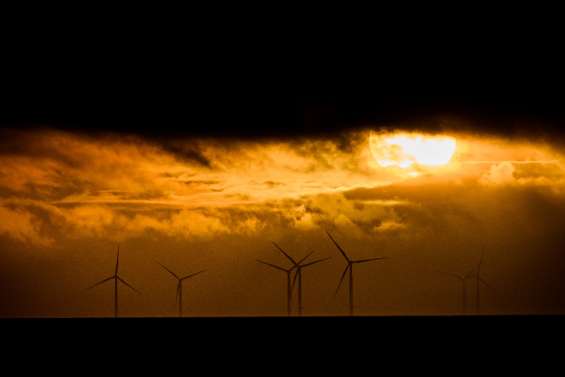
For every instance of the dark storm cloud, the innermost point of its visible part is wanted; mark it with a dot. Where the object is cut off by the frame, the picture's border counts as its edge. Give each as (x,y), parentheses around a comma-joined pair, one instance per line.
(292,120)
(269,91)
(293,100)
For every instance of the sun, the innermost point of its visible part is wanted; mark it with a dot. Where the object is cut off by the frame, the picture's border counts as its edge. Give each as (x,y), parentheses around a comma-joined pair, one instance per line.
(404,150)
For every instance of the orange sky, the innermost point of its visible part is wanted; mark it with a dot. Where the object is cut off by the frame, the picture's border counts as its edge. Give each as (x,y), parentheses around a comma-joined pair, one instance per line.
(59,191)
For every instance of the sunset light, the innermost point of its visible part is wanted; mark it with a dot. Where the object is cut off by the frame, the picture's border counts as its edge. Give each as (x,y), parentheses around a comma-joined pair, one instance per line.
(404,150)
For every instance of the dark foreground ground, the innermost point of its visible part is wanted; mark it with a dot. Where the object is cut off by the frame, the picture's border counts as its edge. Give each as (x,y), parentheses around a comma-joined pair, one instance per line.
(268,345)
(306,329)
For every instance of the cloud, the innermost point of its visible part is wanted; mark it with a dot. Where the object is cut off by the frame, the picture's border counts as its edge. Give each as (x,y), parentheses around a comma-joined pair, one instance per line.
(23,226)
(390,226)
(61,185)
(502,173)
(525,174)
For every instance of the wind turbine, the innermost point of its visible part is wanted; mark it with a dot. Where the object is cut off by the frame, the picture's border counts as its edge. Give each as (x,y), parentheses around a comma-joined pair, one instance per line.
(180,280)
(463,280)
(349,267)
(298,274)
(288,271)
(480,280)
(116,277)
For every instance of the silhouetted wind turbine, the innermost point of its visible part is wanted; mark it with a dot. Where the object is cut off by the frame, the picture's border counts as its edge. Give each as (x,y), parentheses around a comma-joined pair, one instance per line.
(480,280)
(116,278)
(298,276)
(180,280)
(463,280)
(349,268)
(288,271)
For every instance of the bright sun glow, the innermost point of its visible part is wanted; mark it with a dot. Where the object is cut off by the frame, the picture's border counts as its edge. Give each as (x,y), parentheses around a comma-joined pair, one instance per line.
(404,149)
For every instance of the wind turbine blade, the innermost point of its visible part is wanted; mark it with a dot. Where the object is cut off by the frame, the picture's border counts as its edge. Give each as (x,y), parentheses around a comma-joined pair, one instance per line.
(338,247)
(100,282)
(192,275)
(117,260)
(368,260)
(306,257)
(316,261)
(341,280)
(272,265)
(171,272)
(126,283)
(285,254)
